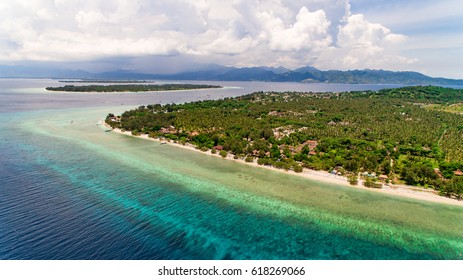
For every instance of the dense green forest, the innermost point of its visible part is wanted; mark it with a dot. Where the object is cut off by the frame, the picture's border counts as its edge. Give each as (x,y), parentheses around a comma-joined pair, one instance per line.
(391,134)
(129,88)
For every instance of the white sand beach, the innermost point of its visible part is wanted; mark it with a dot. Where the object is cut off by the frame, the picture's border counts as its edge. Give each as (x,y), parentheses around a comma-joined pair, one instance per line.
(323,176)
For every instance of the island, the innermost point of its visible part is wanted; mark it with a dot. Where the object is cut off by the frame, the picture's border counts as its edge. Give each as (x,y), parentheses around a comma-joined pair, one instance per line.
(410,135)
(105,81)
(130,87)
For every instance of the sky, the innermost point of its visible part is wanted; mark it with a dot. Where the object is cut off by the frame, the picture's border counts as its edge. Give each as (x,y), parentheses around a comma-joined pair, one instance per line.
(167,36)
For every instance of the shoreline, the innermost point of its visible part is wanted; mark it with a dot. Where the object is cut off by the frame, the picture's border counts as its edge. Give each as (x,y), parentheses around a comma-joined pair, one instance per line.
(320,176)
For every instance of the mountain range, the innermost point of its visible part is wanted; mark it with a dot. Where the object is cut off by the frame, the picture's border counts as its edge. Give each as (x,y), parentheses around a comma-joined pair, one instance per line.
(215,72)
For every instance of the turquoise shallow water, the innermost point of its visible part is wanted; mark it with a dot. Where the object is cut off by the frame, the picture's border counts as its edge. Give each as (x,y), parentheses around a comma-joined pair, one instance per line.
(70,190)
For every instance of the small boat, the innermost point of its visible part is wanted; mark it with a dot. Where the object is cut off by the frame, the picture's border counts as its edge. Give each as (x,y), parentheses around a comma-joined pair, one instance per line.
(163,142)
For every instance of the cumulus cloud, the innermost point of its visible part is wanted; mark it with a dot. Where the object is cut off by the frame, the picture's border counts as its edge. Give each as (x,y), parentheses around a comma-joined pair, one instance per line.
(309,31)
(239,32)
(361,44)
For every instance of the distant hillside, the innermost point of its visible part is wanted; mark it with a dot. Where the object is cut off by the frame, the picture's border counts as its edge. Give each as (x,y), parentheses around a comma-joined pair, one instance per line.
(216,72)
(312,75)
(380,77)
(19,71)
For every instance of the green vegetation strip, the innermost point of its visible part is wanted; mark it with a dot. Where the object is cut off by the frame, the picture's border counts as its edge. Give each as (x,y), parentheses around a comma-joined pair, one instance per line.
(106,81)
(389,135)
(129,88)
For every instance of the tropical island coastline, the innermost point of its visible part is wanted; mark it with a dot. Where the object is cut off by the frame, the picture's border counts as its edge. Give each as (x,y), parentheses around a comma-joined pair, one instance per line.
(130,87)
(400,190)
(391,137)
(104,81)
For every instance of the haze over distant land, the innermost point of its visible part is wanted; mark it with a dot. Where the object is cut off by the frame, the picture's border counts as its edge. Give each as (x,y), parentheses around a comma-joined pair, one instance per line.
(306,74)
(46,38)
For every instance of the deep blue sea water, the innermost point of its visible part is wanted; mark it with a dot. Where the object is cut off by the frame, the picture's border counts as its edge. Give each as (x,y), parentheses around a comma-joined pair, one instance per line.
(70,190)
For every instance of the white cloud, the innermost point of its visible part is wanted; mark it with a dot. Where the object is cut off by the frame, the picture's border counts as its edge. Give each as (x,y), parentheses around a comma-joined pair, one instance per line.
(309,31)
(226,42)
(87,20)
(236,32)
(358,32)
(361,44)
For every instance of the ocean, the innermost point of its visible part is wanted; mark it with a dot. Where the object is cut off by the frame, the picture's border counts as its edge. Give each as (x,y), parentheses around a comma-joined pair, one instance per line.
(71,190)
